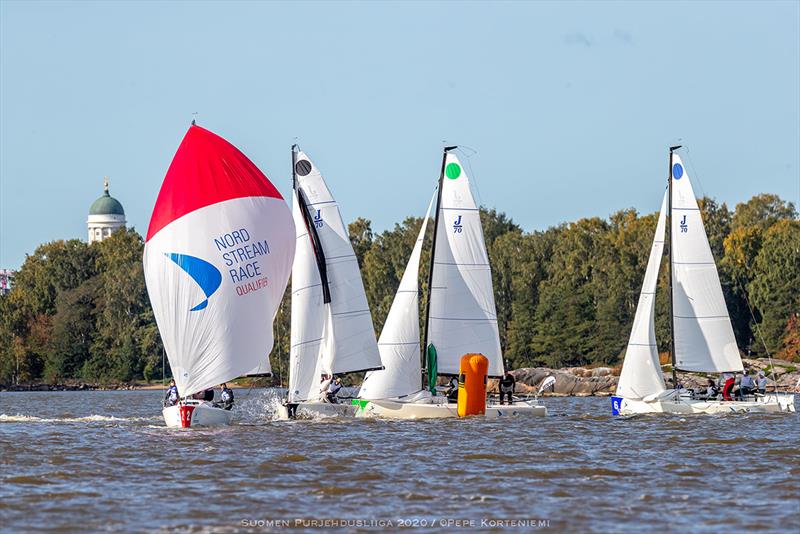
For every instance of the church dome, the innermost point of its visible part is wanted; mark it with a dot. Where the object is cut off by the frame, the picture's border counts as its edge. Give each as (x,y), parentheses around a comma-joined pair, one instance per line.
(106,205)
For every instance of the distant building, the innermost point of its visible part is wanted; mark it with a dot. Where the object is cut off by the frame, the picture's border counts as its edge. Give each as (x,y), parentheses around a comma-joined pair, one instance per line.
(6,280)
(105,216)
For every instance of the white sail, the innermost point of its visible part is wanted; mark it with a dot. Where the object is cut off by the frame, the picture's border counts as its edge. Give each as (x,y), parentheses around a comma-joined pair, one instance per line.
(347,343)
(641,372)
(703,334)
(216,262)
(308,316)
(399,342)
(463,317)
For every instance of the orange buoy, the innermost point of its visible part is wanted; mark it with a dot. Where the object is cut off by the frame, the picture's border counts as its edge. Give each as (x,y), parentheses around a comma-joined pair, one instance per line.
(472,376)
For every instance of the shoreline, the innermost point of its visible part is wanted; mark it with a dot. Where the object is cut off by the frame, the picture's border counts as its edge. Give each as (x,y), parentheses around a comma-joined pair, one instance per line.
(570,381)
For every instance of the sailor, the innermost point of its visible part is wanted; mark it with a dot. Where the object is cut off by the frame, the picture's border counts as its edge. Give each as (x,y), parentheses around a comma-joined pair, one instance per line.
(208,395)
(761,383)
(171,397)
(506,385)
(452,390)
(729,381)
(226,397)
(324,383)
(746,386)
(333,390)
(711,389)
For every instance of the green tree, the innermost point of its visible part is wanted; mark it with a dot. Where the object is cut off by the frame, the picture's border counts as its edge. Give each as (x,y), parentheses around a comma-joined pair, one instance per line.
(360,232)
(123,311)
(763,211)
(775,286)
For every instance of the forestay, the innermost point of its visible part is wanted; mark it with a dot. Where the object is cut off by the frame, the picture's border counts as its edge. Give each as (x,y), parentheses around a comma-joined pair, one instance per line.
(704,338)
(216,262)
(399,342)
(463,318)
(341,331)
(641,371)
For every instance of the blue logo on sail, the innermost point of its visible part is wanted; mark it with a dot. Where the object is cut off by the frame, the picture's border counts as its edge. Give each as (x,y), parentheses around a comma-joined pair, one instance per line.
(457,228)
(684,226)
(206,275)
(677,171)
(318,220)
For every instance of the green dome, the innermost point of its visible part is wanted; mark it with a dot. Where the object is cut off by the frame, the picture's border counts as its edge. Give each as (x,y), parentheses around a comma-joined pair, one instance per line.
(106,205)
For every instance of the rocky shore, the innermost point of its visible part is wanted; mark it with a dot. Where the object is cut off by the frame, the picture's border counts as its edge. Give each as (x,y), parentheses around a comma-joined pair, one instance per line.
(570,381)
(602,381)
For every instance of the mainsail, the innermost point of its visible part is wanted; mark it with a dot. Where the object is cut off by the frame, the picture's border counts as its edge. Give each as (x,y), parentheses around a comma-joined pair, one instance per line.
(216,262)
(462,314)
(641,371)
(399,341)
(332,329)
(703,334)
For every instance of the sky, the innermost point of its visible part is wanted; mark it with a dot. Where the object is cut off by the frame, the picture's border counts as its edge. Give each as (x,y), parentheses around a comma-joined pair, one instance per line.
(566,109)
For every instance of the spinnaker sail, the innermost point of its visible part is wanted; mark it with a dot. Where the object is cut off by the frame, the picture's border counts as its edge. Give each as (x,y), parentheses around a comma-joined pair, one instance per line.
(217,258)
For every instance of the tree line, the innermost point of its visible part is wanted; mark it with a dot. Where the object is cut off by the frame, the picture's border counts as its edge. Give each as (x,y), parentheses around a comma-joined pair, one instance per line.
(565,296)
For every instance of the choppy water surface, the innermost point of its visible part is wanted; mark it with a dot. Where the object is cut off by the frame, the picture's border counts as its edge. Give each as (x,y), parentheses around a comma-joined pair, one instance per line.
(96,461)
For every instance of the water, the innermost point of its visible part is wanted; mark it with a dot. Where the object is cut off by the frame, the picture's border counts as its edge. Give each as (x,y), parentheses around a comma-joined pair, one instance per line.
(103,461)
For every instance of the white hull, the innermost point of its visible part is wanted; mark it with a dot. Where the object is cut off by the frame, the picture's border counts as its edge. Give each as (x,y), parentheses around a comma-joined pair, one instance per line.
(391,409)
(317,410)
(197,413)
(771,403)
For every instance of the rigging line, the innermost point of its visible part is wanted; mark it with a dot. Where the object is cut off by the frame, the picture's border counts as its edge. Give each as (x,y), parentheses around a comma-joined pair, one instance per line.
(757,328)
(473,176)
(695,174)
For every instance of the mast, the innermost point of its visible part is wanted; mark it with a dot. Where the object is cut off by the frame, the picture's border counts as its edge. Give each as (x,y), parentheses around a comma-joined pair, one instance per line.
(671,303)
(433,254)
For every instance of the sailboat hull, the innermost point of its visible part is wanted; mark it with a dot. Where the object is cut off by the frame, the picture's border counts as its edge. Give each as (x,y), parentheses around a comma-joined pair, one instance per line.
(771,403)
(390,409)
(193,414)
(317,410)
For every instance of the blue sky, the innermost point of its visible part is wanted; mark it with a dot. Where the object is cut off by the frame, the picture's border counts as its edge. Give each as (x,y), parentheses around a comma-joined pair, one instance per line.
(569,106)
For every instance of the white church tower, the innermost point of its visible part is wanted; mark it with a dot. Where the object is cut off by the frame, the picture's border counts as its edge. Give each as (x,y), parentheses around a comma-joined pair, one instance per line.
(105,216)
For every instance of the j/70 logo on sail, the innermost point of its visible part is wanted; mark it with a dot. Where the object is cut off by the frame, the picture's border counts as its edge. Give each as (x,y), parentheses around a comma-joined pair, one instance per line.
(684,226)
(206,275)
(457,228)
(318,220)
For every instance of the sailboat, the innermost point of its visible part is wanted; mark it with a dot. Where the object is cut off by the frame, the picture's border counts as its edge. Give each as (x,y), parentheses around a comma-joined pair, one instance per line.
(700,327)
(460,318)
(331,324)
(217,258)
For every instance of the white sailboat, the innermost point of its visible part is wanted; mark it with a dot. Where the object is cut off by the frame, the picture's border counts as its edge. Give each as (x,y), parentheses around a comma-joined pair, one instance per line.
(332,331)
(701,330)
(460,314)
(216,260)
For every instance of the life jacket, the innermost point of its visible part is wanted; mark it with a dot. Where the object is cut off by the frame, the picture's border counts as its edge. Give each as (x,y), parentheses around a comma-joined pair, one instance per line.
(226,396)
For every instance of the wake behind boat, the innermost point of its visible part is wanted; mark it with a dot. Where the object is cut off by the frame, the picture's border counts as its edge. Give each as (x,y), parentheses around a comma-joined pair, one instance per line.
(702,335)
(216,262)
(461,317)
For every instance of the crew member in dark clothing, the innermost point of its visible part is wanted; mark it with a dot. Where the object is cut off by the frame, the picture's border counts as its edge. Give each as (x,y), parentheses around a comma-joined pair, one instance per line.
(452,390)
(226,397)
(507,384)
(208,395)
(333,391)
